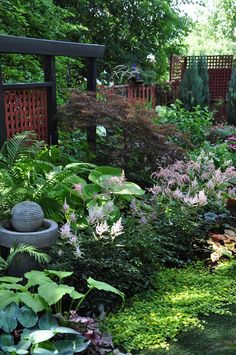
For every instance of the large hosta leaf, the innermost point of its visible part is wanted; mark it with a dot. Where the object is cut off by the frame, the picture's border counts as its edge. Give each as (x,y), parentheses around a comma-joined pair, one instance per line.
(128,188)
(36,278)
(38,336)
(10,279)
(47,321)
(52,293)
(7,297)
(33,301)
(60,274)
(27,317)
(97,175)
(74,345)
(9,316)
(99,285)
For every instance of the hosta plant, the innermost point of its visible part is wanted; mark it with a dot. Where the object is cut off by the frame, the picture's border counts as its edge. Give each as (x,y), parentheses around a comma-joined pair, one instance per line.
(32,318)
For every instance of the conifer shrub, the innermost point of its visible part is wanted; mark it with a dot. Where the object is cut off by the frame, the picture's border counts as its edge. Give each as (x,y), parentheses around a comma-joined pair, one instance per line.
(194,90)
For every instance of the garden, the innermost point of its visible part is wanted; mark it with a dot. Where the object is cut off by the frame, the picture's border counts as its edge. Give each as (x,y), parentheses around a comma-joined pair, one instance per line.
(126,245)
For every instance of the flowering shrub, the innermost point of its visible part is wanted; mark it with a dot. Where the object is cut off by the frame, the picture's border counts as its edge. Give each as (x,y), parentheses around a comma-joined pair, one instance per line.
(194,183)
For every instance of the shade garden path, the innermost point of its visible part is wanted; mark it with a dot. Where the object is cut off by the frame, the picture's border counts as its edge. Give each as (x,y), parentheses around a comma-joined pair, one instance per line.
(218,332)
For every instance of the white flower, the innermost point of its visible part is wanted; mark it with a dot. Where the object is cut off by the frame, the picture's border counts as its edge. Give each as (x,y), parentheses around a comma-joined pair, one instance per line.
(78,253)
(117,229)
(65,231)
(73,239)
(151,58)
(96,215)
(102,228)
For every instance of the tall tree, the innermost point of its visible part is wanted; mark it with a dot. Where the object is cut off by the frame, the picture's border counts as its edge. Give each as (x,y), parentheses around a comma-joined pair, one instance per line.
(131,29)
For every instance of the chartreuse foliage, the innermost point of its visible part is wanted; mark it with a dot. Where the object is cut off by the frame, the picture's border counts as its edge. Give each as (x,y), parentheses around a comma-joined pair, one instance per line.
(155,318)
(30,308)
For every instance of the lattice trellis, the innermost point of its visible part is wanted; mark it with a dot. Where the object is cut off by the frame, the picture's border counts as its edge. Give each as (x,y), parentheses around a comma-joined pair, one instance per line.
(26,110)
(219,71)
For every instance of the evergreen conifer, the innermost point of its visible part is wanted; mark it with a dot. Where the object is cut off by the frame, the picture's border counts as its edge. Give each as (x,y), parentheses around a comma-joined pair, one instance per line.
(194,89)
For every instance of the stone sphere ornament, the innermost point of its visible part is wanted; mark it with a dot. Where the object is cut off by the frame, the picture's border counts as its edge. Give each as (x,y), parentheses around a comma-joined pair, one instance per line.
(27,216)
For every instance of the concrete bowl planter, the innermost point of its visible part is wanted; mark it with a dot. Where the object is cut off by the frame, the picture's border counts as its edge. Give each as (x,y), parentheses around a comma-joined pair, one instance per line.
(41,239)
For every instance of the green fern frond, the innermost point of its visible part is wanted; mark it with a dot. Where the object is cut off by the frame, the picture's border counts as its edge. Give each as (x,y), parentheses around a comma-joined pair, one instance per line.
(21,145)
(3,265)
(40,257)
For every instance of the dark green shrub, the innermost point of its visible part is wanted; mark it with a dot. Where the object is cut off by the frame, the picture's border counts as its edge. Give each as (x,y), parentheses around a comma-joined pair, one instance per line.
(195,124)
(194,88)
(231,100)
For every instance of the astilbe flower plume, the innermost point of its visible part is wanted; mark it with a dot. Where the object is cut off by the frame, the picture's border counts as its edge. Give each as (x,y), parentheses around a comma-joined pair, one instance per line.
(194,183)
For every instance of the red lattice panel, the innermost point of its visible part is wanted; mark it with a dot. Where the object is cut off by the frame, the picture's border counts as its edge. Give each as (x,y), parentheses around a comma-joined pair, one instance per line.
(26,110)
(219,71)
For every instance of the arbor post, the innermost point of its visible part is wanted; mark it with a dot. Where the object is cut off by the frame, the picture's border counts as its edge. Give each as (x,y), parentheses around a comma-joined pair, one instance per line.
(91,86)
(50,76)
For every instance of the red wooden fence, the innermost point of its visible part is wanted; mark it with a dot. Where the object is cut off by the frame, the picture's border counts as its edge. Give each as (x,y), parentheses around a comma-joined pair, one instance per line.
(137,94)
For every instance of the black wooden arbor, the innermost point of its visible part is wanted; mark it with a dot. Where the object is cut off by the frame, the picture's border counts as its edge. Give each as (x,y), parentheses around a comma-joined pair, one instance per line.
(32,106)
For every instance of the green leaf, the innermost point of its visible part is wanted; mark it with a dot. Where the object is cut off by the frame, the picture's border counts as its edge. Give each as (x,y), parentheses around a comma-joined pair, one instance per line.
(66,330)
(75,345)
(36,278)
(99,285)
(23,345)
(7,297)
(128,188)
(39,336)
(10,279)
(21,351)
(60,274)
(6,340)
(10,320)
(96,174)
(47,321)
(5,286)
(76,295)
(33,301)
(52,293)
(43,351)
(27,317)
(90,190)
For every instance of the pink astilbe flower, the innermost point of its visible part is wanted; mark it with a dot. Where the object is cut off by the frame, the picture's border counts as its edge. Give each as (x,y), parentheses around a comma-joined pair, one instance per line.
(72,217)
(199,199)
(65,206)
(117,229)
(78,187)
(210,185)
(116,180)
(73,239)
(177,194)
(65,231)
(155,190)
